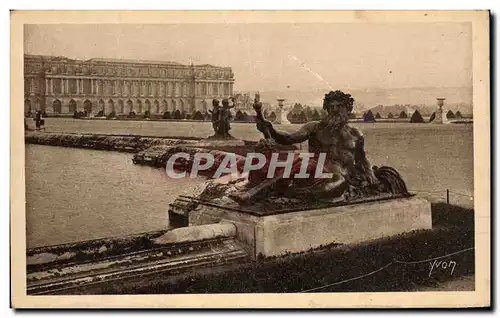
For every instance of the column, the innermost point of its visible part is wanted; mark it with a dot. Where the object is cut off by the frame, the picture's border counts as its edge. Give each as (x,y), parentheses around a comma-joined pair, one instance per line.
(126,88)
(104,90)
(77,86)
(118,91)
(66,81)
(51,87)
(46,86)
(108,90)
(92,87)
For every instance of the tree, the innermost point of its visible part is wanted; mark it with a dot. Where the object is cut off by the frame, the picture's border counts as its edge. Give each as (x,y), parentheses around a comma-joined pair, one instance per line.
(240,116)
(377,116)
(315,115)
(390,116)
(458,114)
(416,117)
(166,115)
(187,116)
(450,114)
(272,116)
(297,108)
(433,116)
(147,114)
(309,112)
(301,117)
(177,114)
(198,116)
(368,117)
(131,115)
(403,115)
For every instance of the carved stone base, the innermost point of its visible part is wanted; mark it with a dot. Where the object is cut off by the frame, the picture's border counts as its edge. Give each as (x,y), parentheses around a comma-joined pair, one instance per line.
(273,234)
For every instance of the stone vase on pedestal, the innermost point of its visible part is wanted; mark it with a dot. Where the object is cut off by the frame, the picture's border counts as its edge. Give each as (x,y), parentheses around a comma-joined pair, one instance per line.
(439,111)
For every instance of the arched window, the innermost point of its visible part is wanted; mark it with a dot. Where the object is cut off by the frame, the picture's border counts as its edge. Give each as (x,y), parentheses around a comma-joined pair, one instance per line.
(72,106)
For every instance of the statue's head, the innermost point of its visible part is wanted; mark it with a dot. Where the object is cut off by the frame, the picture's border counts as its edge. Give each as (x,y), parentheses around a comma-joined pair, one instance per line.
(338,105)
(215,103)
(225,102)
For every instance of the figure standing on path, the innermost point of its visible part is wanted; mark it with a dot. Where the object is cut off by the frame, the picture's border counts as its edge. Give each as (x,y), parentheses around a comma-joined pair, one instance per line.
(39,121)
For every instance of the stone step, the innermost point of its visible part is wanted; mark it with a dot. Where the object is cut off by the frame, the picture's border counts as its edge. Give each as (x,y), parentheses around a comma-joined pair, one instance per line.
(170,253)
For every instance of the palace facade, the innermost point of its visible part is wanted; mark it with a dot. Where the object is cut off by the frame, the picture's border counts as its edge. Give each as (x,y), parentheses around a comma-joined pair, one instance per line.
(59,85)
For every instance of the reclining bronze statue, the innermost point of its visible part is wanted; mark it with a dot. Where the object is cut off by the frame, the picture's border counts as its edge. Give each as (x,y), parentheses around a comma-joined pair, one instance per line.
(352,175)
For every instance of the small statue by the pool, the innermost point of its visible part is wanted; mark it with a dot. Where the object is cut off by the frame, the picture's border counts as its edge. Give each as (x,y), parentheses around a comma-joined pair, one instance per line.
(215,115)
(221,117)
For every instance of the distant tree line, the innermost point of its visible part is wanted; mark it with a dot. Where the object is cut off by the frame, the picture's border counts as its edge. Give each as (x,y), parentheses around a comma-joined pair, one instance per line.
(302,114)
(299,114)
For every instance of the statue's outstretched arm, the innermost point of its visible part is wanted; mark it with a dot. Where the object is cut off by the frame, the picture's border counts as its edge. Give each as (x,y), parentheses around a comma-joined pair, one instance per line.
(300,135)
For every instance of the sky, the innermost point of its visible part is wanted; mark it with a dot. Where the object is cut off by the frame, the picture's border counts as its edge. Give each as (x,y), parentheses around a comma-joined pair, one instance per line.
(285,56)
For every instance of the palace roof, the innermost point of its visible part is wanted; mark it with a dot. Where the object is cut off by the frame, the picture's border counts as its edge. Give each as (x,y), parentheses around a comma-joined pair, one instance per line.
(132,61)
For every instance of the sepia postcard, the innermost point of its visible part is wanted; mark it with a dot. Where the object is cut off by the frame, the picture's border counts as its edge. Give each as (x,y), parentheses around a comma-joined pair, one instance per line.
(250,159)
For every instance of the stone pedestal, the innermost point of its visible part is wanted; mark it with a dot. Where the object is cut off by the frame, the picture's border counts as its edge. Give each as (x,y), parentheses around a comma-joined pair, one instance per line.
(439,111)
(281,114)
(283,232)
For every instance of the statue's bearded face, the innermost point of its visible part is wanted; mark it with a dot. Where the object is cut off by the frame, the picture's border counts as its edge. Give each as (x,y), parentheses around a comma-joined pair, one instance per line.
(337,113)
